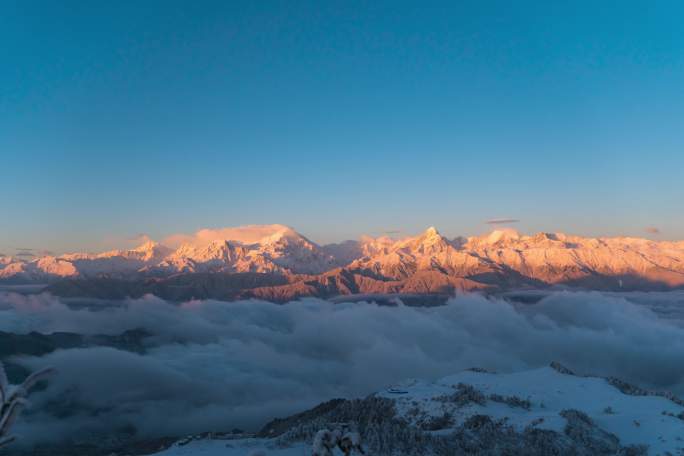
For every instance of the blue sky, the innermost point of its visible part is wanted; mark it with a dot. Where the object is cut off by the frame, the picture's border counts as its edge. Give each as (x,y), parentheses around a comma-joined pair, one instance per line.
(338,118)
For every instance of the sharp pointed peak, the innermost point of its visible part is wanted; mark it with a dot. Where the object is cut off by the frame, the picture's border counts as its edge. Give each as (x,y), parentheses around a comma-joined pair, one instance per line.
(431,231)
(429,237)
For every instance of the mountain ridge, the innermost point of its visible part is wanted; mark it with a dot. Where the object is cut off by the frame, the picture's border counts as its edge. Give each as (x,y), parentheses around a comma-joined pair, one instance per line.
(426,263)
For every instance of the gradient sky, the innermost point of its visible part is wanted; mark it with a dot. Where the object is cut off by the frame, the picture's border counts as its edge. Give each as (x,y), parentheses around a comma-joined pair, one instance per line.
(338,118)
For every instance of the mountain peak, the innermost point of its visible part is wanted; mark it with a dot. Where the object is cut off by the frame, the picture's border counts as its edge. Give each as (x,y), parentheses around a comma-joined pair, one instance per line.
(431,232)
(278,233)
(504,234)
(431,237)
(428,241)
(147,246)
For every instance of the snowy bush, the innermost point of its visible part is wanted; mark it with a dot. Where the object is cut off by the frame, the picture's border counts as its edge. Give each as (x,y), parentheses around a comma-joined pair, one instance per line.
(325,442)
(437,423)
(511,401)
(465,394)
(350,442)
(582,430)
(13,399)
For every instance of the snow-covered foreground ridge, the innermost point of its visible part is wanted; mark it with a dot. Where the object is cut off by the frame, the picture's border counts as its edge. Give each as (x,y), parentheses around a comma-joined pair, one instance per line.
(427,263)
(538,412)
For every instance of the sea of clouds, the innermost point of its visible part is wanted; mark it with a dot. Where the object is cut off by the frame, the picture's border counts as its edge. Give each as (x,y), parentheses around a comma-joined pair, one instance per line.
(213,365)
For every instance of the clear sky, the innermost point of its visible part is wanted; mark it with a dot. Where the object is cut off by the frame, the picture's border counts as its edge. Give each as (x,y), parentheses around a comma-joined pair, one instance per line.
(338,118)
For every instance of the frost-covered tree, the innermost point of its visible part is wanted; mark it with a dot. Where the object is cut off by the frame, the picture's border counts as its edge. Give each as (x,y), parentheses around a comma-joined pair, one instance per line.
(350,442)
(13,399)
(325,442)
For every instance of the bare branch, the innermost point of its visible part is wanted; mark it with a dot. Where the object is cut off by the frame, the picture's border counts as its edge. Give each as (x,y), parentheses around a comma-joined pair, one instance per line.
(12,400)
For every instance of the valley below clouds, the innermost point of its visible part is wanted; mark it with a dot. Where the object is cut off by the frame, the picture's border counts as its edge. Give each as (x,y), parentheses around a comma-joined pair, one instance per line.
(181,368)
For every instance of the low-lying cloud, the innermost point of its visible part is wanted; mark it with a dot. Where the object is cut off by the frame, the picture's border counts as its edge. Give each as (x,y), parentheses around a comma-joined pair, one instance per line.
(139,238)
(214,366)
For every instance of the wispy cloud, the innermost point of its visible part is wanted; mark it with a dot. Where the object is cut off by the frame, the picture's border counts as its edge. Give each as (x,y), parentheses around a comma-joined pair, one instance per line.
(140,237)
(501,221)
(247,234)
(24,252)
(652,230)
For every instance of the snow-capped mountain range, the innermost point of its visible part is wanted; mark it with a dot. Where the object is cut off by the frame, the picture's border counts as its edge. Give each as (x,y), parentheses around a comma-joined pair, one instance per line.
(263,248)
(427,263)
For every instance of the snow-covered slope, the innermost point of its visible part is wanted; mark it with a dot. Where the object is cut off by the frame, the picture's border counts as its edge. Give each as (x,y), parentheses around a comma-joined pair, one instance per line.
(254,248)
(542,259)
(428,251)
(538,412)
(559,258)
(538,398)
(113,263)
(263,248)
(237,447)
(38,270)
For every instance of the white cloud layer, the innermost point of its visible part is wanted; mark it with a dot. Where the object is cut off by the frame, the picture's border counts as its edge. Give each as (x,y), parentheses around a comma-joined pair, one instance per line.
(215,366)
(247,234)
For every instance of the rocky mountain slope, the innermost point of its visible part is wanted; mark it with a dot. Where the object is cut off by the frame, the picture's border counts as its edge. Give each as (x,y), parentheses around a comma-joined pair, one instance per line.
(427,263)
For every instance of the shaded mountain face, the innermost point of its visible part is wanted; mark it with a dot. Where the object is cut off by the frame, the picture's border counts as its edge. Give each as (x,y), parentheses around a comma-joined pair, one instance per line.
(289,265)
